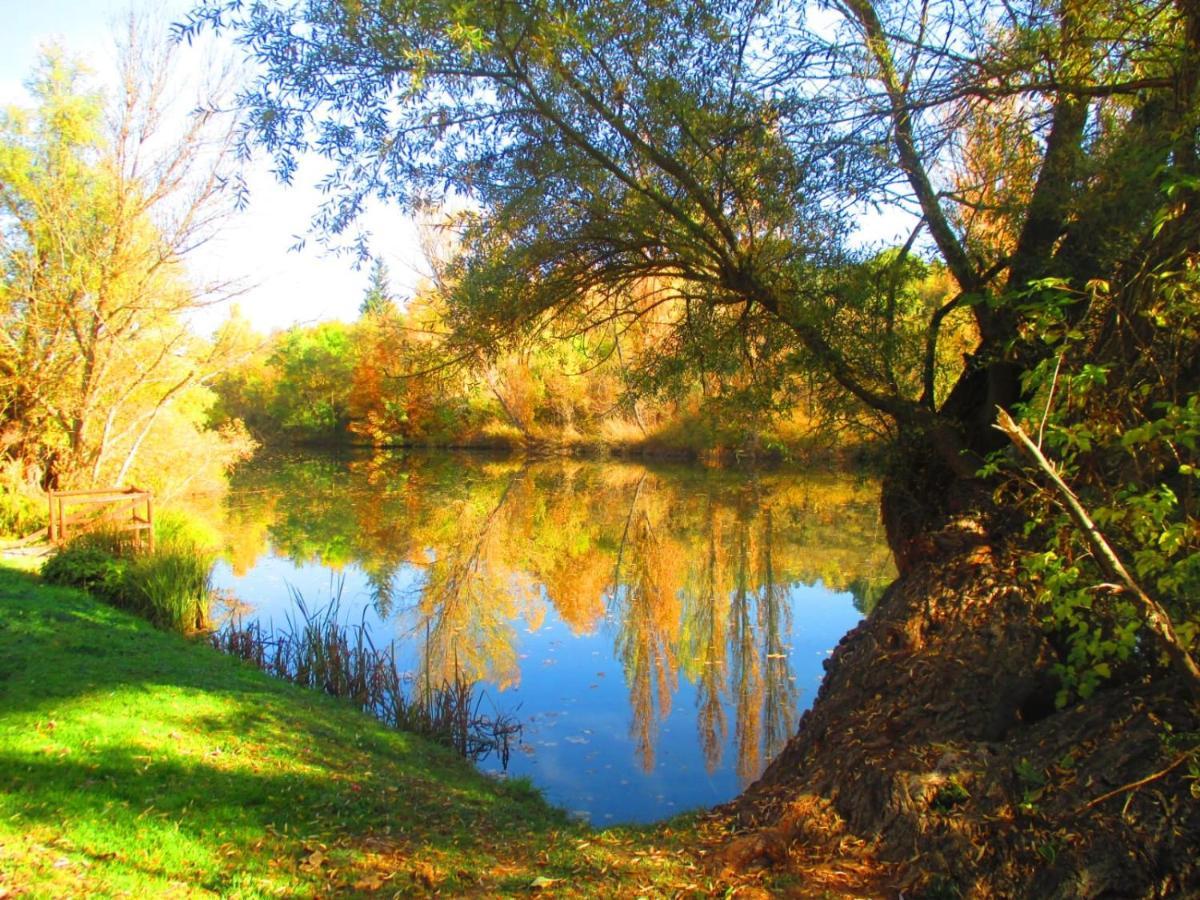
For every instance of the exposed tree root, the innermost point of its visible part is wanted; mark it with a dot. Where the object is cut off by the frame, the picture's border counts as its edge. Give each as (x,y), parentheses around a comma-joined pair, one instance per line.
(934,754)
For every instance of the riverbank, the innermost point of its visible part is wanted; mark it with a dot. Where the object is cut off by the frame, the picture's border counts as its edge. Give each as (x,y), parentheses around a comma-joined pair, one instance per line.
(935,739)
(677,444)
(140,762)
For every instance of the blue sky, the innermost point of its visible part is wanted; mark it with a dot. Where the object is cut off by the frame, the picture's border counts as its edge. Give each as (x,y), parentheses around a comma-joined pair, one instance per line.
(287,286)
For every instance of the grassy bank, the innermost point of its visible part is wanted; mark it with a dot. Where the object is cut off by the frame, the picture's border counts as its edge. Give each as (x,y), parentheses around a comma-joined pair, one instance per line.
(133,761)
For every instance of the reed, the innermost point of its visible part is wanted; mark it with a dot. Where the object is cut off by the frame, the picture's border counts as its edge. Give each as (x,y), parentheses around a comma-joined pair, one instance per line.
(318,650)
(171,586)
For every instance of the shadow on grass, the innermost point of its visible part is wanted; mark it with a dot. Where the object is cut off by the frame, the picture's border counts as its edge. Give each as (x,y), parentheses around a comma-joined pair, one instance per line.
(165,817)
(148,753)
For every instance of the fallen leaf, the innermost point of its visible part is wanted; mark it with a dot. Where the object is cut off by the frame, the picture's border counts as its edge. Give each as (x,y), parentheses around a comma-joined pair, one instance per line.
(313,862)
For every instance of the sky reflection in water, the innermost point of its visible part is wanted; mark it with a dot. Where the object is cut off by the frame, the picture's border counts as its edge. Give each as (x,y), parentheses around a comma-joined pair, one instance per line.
(657,630)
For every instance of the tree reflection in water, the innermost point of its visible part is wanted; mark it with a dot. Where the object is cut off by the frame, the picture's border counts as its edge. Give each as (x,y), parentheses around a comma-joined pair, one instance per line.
(690,571)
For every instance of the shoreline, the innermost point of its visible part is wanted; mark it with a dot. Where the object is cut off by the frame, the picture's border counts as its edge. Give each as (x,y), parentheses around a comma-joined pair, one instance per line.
(142,761)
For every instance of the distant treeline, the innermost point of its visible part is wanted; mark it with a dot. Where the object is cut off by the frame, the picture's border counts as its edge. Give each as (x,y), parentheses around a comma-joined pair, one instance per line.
(402,375)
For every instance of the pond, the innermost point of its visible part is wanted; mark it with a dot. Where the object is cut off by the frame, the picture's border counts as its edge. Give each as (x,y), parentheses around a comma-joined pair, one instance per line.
(656,629)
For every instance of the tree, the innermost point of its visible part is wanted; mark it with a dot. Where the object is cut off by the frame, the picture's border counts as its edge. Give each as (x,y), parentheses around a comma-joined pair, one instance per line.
(311,397)
(723,149)
(720,147)
(377,300)
(99,209)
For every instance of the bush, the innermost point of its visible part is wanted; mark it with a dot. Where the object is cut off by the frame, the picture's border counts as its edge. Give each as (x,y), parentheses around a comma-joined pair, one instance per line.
(20,514)
(176,528)
(92,568)
(170,587)
(22,504)
(116,542)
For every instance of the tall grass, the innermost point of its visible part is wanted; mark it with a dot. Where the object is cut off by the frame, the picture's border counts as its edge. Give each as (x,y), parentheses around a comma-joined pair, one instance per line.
(318,651)
(170,586)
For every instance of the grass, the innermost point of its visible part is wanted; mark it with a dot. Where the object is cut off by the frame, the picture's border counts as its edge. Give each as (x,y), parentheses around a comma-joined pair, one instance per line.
(169,586)
(137,762)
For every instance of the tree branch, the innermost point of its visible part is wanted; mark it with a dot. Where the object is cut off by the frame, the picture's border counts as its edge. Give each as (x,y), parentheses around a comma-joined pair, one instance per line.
(952,250)
(1153,614)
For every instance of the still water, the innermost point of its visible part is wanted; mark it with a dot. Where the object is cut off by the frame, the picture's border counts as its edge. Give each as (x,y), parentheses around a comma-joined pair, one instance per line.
(657,630)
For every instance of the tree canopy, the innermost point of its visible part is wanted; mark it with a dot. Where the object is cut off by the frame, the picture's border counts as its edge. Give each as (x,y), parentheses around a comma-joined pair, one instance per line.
(99,205)
(724,148)
(702,164)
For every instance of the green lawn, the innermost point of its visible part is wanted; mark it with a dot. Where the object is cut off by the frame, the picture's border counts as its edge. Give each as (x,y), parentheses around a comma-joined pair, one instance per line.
(136,762)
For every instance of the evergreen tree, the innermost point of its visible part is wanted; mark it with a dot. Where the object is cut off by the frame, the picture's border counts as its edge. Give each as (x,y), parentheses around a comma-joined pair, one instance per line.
(378,297)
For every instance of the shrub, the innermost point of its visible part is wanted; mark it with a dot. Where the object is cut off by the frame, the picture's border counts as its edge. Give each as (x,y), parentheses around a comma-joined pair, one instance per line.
(174,528)
(92,568)
(22,505)
(170,587)
(19,515)
(116,542)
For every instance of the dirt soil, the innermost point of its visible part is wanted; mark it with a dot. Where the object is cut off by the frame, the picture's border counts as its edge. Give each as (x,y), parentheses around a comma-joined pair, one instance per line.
(934,759)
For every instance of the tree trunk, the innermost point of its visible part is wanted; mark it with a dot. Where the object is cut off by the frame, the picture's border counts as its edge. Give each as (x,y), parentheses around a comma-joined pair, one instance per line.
(934,749)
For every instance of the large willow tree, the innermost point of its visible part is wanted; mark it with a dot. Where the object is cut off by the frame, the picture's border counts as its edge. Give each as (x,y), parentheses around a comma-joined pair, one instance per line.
(1046,150)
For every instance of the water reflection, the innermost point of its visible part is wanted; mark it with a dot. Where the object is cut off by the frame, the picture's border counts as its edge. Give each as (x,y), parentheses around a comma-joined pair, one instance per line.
(572,584)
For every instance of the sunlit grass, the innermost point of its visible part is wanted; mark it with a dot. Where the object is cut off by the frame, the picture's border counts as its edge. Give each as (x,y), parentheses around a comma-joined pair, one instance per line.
(134,761)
